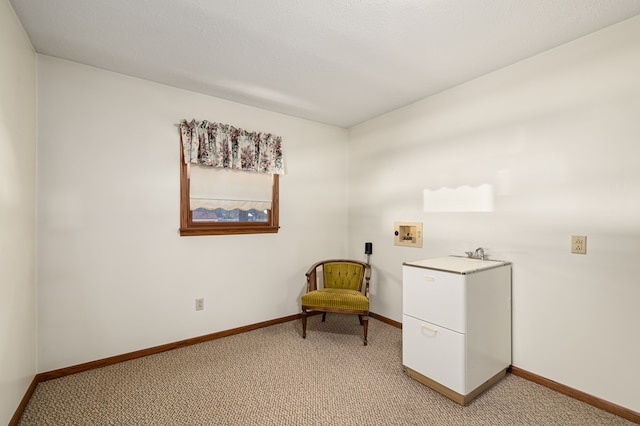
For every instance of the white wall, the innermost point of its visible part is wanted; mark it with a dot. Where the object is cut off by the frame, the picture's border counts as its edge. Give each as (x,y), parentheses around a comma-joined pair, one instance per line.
(114,276)
(558,138)
(17,212)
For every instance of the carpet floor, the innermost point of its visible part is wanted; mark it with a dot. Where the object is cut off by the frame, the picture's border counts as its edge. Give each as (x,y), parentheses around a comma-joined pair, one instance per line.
(272,376)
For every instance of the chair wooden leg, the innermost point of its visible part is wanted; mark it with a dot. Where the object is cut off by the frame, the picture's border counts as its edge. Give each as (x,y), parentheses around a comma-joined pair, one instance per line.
(365,326)
(304,324)
(324,316)
(360,319)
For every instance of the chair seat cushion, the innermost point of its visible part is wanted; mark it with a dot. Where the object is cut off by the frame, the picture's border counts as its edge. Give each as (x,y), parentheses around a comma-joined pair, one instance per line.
(336,298)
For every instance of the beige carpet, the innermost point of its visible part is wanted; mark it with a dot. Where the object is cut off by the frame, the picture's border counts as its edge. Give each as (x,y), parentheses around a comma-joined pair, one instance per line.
(272,376)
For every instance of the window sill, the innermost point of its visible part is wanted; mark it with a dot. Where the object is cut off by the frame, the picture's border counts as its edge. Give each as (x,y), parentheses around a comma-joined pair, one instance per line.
(229,230)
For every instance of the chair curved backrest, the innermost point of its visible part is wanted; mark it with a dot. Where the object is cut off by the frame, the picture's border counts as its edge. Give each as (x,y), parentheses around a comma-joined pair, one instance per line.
(345,289)
(343,274)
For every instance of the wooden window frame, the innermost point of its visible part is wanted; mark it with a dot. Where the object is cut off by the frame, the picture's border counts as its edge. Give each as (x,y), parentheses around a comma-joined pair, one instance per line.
(189,228)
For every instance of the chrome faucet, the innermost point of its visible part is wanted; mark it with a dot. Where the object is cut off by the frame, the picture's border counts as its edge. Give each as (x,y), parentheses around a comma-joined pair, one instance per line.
(478,254)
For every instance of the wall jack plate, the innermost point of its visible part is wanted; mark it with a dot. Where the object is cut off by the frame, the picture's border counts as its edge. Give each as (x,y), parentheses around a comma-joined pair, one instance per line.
(407,234)
(579,244)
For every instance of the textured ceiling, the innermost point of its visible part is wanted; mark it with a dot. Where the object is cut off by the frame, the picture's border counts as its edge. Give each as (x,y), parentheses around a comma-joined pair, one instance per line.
(339,62)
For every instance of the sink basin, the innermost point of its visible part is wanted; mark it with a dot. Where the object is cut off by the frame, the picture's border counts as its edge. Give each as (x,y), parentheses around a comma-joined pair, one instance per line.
(457,264)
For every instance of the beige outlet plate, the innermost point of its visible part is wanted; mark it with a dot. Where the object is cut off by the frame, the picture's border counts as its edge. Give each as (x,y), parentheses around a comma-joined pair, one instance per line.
(579,244)
(408,234)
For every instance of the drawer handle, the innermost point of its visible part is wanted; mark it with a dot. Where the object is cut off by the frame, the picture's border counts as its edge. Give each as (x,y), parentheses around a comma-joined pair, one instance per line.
(429,278)
(430,329)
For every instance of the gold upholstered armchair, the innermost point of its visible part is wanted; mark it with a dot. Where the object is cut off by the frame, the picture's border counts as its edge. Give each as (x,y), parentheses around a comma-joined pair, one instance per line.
(345,289)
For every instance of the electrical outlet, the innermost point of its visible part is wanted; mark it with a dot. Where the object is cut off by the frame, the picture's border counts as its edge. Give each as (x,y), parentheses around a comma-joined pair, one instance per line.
(199,304)
(579,244)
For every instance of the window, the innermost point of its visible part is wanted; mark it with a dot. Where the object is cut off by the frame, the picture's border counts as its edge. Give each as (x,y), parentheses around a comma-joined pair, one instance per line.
(228,179)
(219,201)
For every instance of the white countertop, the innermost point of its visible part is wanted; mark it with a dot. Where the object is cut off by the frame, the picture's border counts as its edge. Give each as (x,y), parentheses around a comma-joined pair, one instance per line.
(457,264)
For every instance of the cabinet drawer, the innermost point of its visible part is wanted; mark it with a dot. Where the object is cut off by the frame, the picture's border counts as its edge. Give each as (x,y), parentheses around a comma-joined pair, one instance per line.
(434,352)
(435,296)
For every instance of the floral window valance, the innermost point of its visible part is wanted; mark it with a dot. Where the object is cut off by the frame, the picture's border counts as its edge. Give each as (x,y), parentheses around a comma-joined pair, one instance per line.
(224,146)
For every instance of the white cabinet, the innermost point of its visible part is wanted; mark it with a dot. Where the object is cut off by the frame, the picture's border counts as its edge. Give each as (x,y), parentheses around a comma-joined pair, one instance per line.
(456,324)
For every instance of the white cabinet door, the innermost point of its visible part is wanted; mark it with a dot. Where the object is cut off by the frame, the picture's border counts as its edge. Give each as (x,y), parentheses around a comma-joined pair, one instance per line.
(435,352)
(435,296)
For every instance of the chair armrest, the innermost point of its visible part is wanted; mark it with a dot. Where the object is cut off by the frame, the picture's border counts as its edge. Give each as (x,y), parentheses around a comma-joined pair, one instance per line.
(312,282)
(312,269)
